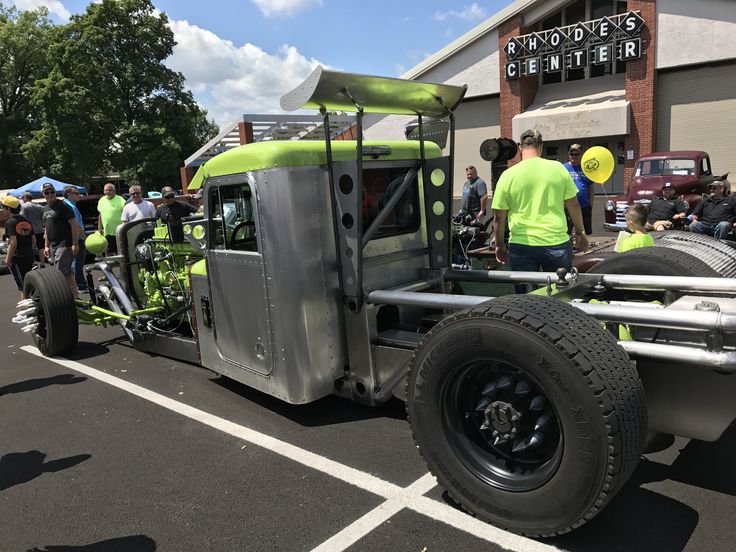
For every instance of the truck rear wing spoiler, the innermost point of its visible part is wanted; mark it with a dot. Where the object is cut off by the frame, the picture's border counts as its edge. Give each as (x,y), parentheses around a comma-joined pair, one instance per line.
(335,91)
(330,91)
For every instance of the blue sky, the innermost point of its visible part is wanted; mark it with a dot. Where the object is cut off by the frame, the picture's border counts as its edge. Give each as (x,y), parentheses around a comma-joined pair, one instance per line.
(241,56)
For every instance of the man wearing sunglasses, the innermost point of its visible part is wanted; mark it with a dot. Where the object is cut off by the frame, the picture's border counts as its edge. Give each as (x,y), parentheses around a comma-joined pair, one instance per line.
(138,208)
(171,209)
(61,235)
(585,186)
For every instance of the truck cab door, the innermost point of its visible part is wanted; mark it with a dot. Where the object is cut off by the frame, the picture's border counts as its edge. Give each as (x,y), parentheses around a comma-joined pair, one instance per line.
(236,272)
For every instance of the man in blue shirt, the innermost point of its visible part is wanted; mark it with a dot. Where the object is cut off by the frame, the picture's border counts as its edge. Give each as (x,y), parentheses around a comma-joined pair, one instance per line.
(474,194)
(71,196)
(586,187)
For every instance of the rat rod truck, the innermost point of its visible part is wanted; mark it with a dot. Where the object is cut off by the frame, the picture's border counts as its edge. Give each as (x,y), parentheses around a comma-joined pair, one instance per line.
(323,268)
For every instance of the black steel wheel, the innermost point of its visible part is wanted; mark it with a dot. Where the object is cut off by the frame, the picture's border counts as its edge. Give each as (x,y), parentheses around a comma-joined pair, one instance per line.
(527,412)
(57,330)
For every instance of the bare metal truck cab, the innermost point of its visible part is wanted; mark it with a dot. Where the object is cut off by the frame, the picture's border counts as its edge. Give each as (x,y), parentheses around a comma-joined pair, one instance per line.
(323,268)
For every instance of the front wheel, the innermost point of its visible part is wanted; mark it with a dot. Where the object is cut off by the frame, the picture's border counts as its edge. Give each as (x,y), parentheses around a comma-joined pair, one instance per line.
(57,330)
(527,412)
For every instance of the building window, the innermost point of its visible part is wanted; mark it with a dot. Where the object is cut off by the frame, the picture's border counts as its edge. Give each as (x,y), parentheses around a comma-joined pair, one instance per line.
(581,11)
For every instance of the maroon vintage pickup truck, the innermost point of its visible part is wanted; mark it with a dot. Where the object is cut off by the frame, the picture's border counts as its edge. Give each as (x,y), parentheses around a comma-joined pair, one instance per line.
(689,171)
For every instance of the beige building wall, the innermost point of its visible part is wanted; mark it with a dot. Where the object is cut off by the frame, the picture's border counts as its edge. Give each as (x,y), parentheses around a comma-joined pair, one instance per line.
(475,120)
(691,32)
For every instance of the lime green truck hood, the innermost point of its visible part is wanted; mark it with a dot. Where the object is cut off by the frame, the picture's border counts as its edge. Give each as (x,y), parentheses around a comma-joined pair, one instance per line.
(300,153)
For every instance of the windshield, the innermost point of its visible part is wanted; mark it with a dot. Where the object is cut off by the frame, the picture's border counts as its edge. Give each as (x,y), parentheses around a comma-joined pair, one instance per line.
(666,167)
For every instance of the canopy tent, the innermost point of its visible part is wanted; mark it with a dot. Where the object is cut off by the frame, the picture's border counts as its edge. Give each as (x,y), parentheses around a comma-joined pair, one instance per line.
(36,186)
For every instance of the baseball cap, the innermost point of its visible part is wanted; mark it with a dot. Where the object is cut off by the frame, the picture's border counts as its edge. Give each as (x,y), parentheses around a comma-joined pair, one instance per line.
(47,185)
(668,186)
(715,183)
(12,202)
(168,191)
(575,147)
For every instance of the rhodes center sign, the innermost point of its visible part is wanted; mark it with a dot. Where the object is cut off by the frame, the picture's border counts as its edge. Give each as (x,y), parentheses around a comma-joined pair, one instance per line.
(575,46)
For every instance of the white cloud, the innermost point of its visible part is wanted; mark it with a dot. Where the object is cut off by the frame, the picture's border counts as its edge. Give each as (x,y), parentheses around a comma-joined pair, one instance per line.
(399,69)
(473,11)
(287,8)
(230,80)
(54,6)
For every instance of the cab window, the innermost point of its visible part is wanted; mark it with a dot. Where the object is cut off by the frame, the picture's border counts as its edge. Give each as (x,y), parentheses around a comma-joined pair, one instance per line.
(233,221)
(379,186)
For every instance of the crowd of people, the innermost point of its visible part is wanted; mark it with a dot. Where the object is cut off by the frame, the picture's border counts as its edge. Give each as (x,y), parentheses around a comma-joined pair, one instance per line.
(539,203)
(54,233)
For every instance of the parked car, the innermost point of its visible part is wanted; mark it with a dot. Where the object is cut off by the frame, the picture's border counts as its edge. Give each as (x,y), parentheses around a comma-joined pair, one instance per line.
(689,171)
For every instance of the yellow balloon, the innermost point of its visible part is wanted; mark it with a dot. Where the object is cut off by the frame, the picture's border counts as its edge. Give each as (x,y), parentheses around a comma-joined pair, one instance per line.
(597,163)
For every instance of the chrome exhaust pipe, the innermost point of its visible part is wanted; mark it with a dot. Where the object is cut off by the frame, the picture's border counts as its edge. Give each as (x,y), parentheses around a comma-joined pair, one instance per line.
(30,328)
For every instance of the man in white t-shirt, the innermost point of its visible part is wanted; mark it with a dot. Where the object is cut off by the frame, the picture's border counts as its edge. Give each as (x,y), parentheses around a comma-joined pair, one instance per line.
(139,208)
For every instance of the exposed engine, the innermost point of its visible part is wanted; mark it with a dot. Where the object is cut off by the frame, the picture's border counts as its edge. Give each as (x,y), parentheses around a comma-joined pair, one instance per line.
(163,275)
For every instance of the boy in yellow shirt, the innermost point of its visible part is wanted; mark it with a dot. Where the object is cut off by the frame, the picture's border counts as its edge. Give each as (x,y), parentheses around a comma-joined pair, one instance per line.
(636,219)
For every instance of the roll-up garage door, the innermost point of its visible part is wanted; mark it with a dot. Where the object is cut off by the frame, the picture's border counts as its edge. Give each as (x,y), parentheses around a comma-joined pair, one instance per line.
(475,120)
(696,110)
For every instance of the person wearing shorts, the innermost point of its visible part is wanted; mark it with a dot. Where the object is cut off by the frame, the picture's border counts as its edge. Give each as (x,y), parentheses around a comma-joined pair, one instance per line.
(21,242)
(110,209)
(33,213)
(60,235)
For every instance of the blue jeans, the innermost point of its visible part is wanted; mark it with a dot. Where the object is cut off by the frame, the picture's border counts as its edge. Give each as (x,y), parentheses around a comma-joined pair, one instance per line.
(78,266)
(718,231)
(533,258)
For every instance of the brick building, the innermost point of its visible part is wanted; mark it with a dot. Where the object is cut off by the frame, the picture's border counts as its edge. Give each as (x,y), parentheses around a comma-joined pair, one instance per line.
(638,76)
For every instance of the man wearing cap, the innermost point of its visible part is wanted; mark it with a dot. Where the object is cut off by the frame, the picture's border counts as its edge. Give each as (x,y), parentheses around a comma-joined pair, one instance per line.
(666,209)
(110,208)
(61,237)
(33,213)
(533,195)
(585,186)
(21,242)
(139,208)
(716,214)
(171,209)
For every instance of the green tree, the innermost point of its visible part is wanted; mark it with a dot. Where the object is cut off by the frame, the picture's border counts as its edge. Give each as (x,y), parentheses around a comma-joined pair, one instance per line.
(109,103)
(24,41)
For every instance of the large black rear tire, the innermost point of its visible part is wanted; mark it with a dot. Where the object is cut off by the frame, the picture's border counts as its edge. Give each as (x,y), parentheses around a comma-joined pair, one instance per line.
(659,261)
(58,329)
(526,368)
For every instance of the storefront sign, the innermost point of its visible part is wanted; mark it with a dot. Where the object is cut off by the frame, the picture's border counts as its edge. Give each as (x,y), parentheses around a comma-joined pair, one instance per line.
(575,46)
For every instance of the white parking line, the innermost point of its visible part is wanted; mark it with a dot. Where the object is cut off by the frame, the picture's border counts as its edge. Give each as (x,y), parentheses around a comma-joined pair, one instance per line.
(397,498)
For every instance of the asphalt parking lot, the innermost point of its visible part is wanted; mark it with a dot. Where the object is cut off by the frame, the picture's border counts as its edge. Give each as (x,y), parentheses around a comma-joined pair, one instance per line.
(117,450)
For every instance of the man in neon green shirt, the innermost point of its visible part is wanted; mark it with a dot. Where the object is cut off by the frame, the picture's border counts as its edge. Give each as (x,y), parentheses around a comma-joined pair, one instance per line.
(532,195)
(110,208)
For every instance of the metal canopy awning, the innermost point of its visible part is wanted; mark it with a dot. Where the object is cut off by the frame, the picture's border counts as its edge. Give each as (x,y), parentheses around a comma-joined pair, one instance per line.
(271,127)
(336,91)
(576,110)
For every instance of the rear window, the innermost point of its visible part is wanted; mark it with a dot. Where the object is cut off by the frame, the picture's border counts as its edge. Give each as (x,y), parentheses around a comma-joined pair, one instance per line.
(379,186)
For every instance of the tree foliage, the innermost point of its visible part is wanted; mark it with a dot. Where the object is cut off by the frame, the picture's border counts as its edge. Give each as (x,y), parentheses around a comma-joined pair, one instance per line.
(24,43)
(108,102)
